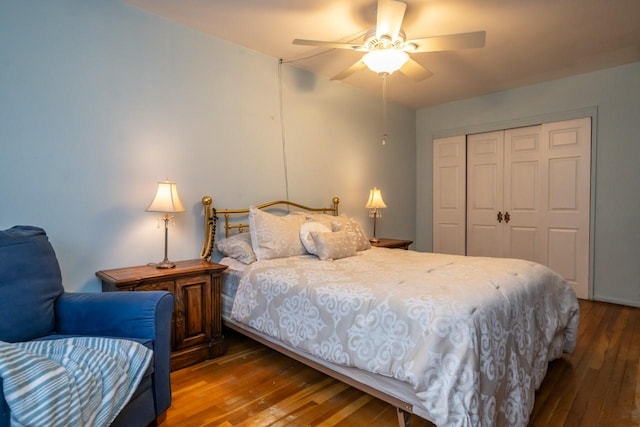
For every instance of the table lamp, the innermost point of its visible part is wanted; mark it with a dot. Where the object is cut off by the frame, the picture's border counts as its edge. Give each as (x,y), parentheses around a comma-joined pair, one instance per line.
(375,203)
(167,202)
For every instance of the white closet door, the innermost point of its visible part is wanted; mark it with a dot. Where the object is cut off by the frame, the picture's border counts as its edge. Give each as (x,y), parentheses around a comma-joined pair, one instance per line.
(485,188)
(540,176)
(566,193)
(523,234)
(449,210)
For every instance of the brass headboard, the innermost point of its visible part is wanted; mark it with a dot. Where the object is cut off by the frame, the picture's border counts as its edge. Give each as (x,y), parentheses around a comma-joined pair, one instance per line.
(211,219)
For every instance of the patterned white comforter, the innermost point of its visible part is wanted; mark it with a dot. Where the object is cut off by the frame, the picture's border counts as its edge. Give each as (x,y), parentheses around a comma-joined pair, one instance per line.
(473,336)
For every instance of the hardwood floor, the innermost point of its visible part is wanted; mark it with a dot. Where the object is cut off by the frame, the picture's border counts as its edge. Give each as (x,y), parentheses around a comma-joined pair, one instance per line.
(251,385)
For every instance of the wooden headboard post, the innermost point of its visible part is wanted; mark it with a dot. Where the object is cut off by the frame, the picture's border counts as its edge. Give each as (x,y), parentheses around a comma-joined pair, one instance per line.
(211,219)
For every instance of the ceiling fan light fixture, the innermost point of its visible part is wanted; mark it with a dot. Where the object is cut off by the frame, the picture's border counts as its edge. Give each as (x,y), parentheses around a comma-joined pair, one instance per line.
(385,61)
(387,49)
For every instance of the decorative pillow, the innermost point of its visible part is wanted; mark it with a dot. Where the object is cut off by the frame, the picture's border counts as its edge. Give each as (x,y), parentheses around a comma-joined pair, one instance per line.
(335,245)
(274,236)
(325,219)
(305,234)
(354,230)
(238,247)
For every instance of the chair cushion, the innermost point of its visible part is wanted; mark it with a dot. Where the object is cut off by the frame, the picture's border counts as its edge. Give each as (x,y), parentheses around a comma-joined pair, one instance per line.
(30,282)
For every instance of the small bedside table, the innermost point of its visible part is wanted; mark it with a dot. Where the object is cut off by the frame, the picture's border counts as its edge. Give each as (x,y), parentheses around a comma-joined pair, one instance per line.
(392,243)
(196,326)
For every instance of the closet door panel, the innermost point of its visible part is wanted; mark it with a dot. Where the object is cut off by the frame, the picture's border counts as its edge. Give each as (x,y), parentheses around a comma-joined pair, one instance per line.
(449,188)
(485,191)
(524,238)
(524,243)
(566,192)
(524,187)
(483,240)
(450,239)
(563,252)
(564,184)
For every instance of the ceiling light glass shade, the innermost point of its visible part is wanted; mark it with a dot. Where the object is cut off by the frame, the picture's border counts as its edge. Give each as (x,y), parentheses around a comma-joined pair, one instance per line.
(166,199)
(385,60)
(375,199)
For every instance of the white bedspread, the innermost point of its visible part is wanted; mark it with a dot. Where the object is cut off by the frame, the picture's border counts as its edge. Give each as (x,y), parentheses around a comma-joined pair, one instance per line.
(473,336)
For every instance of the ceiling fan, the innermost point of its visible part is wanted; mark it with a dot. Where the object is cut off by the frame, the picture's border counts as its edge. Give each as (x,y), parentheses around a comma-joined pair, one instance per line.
(387,49)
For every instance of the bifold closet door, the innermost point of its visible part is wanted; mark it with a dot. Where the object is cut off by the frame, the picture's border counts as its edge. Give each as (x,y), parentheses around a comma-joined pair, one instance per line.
(566,194)
(518,193)
(523,203)
(503,197)
(485,194)
(528,196)
(449,205)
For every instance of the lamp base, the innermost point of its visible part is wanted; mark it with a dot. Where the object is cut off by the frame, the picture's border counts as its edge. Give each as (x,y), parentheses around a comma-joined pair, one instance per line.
(165,264)
(374,240)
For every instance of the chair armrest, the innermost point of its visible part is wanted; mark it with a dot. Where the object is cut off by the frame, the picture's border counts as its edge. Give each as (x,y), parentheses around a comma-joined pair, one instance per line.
(115,314)
(144,315)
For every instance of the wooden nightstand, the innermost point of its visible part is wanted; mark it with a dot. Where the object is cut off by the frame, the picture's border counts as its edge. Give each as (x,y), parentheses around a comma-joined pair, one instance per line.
(392,243)
(196,329)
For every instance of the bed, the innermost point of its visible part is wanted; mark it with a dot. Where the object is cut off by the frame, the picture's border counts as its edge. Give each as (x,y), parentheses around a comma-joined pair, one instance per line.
(459,341)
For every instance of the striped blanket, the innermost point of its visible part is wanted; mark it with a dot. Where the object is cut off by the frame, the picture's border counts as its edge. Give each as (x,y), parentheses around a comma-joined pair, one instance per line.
(80,381)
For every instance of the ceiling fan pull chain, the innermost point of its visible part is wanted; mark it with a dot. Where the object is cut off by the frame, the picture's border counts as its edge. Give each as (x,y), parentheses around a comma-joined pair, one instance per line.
(384,108)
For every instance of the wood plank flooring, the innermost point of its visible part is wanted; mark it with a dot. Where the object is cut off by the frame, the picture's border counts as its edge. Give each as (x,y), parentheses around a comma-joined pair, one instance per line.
(251,385)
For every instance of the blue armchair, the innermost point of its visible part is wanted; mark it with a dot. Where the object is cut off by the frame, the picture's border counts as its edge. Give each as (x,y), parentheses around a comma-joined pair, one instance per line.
(34,306)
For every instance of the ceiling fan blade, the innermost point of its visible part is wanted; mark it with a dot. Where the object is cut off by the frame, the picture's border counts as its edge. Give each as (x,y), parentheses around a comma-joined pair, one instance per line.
(415,71)
(347,72)
(389,18)
(331,45)
(449,42)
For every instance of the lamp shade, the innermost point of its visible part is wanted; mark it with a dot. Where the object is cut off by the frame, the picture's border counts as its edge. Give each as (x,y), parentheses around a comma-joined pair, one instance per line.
(385,61)
(166,199)
(375,199)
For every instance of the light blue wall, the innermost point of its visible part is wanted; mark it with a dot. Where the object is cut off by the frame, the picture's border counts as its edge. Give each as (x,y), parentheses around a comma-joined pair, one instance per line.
(99,101)
(614,94)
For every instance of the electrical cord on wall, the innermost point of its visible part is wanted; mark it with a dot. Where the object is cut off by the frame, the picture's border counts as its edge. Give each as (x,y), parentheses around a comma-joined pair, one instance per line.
(282,136)
(280,100)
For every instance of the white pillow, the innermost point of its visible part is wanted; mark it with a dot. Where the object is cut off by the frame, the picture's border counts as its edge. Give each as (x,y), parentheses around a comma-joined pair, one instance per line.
(323,218)
(274,236)
(238,247)
(305,234)
(331,245)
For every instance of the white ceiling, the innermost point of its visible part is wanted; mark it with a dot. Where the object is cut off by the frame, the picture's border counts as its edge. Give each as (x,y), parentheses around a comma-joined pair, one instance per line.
(527,41)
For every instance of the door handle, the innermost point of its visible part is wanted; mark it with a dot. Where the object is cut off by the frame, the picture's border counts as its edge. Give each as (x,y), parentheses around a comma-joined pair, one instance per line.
(499,216)
(507,217)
